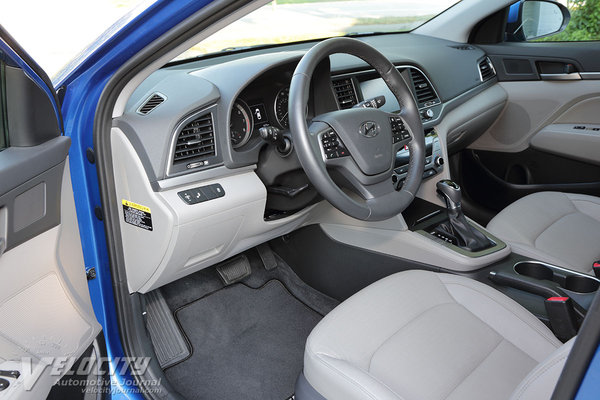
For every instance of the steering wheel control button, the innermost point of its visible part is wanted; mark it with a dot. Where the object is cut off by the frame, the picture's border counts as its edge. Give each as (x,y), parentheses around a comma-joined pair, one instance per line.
(333,146)
(399,131)
(201,194)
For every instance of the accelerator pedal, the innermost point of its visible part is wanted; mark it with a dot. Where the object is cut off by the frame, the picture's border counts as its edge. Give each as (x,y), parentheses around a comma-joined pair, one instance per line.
(234,270)
(267,256)
(167,339)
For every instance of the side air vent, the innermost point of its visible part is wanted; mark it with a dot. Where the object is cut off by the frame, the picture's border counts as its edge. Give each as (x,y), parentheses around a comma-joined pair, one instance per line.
(424,91)
(345,93)
(151,103)
(195,142)
(486,69)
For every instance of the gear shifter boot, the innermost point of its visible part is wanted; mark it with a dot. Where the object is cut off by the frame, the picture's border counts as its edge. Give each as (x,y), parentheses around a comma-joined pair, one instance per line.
(457,226)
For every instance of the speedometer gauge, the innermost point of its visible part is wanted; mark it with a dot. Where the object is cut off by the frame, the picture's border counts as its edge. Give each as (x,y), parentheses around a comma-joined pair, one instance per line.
(240,124)
(281,107)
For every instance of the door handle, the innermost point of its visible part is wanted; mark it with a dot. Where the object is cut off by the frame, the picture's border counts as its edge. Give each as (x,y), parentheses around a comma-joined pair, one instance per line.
(573,76)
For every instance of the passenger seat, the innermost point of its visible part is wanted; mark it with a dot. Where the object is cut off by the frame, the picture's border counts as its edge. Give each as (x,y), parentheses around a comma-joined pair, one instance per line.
(558,228)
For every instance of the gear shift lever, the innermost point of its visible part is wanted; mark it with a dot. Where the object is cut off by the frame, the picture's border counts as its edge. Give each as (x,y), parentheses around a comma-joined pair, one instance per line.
(457,226)
(450,191)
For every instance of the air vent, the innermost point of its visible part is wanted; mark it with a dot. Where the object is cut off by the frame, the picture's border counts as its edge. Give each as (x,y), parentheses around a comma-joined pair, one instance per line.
(196,141)
(424,92)
(345,93)
(486,69)
(153,101)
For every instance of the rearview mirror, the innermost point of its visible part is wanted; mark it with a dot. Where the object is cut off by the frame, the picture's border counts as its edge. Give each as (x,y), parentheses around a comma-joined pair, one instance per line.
(537,19)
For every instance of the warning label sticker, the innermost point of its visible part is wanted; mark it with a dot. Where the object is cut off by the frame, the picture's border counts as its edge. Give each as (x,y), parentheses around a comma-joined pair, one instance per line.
(136,214)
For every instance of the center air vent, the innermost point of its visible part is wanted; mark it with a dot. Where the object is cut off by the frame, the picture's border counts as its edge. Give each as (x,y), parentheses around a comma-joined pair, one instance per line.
(486,69)
(424,92)
(151,103)
(345,93)
(195,142)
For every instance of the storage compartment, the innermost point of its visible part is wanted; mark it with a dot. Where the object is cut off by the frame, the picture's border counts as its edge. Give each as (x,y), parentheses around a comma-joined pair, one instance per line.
(563,278)
(534,270)
(581,284)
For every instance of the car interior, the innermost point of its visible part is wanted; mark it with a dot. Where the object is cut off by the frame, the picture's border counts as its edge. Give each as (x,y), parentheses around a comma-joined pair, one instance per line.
(382,216)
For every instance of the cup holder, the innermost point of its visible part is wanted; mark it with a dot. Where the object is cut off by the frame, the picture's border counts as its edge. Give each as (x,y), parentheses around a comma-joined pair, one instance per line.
(581,284)
(534,270)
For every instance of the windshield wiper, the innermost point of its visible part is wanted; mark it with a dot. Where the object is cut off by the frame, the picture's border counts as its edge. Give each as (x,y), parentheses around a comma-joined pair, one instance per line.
(238,48)
(359,34)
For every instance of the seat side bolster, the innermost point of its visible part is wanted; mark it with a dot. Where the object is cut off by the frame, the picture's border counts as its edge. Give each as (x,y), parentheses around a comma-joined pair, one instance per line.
(499,311)
(338,379)
(541,381)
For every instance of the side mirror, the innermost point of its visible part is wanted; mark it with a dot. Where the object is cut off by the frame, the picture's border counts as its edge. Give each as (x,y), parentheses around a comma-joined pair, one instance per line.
(537,19)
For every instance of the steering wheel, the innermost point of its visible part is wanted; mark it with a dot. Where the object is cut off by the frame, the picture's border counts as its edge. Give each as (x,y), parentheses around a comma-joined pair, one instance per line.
(360,143)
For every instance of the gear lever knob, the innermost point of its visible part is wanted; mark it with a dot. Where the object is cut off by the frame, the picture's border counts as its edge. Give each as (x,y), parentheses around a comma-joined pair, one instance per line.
(450,191)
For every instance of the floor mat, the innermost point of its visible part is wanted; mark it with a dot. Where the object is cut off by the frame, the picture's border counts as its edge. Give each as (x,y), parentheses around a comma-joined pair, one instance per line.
(246,343)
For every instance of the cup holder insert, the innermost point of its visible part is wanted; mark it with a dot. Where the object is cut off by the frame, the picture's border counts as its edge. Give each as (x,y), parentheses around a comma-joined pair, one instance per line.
(581,284)
(571,282)
(534,270)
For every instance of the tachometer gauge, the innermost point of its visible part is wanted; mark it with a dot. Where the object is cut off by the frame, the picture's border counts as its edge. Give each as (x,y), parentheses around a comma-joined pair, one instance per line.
(281,107)
(240,124)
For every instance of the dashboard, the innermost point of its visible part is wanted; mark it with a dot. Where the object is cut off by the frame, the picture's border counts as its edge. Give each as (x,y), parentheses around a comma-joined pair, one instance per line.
(199,143)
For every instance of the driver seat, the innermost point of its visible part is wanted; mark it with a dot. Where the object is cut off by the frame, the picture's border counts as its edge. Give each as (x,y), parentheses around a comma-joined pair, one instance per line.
(424,335)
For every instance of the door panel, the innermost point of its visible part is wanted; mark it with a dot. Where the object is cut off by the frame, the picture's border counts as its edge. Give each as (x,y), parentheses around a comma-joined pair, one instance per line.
(534,145)
(579,141)
(533,105)
(44,301)
(47,319)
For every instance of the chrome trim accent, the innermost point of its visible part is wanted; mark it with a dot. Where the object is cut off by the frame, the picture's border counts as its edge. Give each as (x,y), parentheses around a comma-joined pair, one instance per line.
(590,75)
(574,76)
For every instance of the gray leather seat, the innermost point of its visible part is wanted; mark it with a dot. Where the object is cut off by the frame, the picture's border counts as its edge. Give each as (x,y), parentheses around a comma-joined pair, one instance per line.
(422,335)
(559,228)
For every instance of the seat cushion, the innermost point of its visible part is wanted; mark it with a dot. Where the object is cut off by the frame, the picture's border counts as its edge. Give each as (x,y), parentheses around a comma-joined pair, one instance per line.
(559,228)
(421,335)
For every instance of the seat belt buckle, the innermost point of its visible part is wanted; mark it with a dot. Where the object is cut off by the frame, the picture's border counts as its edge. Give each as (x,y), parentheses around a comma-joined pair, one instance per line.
(563,319)
(596,268)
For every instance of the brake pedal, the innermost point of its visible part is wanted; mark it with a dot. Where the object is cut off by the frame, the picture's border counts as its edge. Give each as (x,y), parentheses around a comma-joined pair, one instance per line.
(234,270)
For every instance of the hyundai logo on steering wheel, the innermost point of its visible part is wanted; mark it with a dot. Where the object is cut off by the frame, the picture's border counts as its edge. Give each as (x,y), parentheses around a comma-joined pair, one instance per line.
(369,129)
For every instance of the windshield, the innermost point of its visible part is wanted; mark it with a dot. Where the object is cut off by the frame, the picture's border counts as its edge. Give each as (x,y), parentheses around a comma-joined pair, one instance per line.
(287,21)
(54,32)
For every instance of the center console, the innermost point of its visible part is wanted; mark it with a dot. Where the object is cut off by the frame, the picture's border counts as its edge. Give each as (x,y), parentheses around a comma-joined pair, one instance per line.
(434,160)
(449,226)
(560,297)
